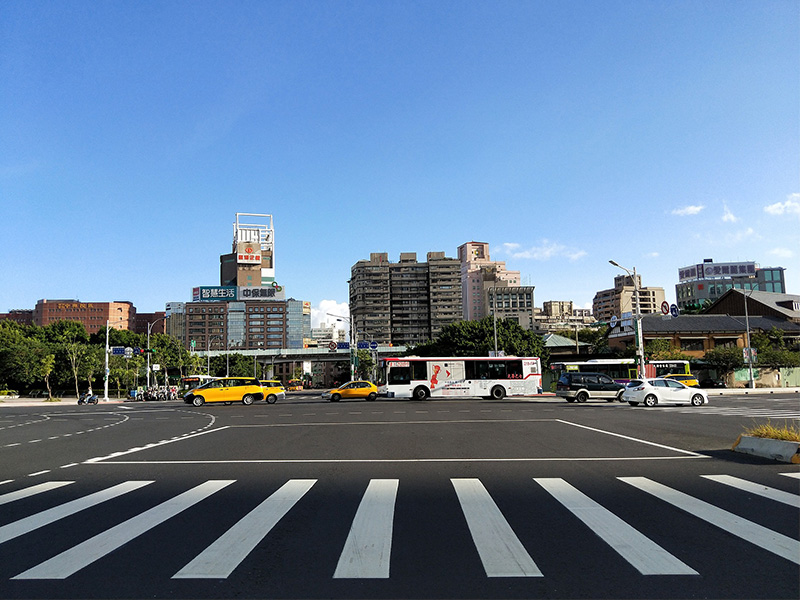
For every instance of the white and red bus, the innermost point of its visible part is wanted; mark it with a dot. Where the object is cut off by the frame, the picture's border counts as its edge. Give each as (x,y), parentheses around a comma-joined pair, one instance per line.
(488,377)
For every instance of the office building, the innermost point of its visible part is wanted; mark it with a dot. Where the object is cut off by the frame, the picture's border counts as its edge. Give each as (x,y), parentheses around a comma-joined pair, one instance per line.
(478,274)
(704,283)
(618,301)
(407,302)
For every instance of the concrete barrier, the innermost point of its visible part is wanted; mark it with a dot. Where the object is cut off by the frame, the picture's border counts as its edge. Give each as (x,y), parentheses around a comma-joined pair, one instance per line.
(780,450)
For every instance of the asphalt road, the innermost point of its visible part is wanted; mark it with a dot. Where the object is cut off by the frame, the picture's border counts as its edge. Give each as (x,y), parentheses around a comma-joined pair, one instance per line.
(395,499)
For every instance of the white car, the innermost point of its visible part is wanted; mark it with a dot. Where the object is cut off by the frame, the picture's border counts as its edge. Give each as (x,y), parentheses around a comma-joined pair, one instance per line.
(662,391)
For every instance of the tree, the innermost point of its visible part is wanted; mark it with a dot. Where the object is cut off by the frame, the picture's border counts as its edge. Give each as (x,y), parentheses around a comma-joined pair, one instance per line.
(725,360)
(46,364)
(661,349)
(476,338)
(366,365)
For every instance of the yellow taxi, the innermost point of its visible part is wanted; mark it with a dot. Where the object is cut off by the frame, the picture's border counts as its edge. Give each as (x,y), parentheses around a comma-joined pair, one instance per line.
(273,390)
(688,380)
(352,389)
(226,389)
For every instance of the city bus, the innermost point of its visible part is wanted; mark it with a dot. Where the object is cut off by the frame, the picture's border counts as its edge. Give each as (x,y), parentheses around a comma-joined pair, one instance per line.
(191,382)
(622,370)
(487,377)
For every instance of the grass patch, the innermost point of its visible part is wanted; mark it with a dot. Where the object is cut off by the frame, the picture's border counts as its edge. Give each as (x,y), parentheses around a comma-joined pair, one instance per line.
(787,432)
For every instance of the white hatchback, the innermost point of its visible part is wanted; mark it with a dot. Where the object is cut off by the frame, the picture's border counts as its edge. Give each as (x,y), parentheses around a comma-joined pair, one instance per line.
(662,391)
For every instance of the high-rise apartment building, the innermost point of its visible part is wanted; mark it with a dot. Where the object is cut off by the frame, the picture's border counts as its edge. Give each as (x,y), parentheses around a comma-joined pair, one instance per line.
(478,274)
(618,300)
(706,282)
(407,302)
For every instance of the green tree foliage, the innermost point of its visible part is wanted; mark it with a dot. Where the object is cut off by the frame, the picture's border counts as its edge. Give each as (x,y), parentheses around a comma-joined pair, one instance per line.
(476,338)
(661,349)
(46,364)
(366,365)
(725,360)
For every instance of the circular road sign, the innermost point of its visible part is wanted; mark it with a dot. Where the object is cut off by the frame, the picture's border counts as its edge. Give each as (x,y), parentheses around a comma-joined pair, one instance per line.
(665,307)
(332,345)
(613,321)
(373,345)
(674,310)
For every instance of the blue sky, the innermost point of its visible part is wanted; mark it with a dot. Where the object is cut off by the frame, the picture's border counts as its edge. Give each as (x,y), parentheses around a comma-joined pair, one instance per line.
(563,133)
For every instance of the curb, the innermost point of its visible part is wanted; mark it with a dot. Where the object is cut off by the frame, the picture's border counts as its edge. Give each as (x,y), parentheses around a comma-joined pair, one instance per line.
(780,450)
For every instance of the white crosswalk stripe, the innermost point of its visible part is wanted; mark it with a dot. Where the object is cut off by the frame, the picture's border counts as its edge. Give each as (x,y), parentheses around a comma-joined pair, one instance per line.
(755,488)
(32,491)
(641,552)
(771,541)
(223,556)
(366,552)
(23,526)
(368,547)
(501,552)
(82,555)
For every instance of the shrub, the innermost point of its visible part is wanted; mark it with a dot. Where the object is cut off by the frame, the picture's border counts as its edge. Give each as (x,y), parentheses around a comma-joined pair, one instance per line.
(787,432)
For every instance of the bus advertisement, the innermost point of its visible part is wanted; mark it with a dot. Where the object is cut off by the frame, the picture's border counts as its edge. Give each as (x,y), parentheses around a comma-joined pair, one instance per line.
(487,377)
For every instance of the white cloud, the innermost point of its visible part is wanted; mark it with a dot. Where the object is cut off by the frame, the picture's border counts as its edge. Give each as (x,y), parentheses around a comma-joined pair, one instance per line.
(740,236)
(790,207)
(688,210)
(321,314)
(728,216)
(652,255)
(782,253)
(544,251)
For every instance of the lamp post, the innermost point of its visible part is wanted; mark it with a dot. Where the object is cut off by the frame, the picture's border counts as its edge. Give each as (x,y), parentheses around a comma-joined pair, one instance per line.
(208,352)
(105,381)
(353,343)
(149,329)
(749,349)
(494,316)
(638,317)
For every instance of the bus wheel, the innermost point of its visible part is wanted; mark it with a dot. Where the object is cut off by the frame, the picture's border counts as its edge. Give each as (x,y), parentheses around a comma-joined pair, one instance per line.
(498,392)
(421,393)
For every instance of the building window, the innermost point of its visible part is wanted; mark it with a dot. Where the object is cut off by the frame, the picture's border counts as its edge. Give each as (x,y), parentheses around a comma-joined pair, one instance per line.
(692,345)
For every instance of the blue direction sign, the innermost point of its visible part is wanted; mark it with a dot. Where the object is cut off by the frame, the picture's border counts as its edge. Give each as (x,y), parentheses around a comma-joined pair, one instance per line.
(118,350)
(674,310)
(373,345)
(363,345)
(343,345)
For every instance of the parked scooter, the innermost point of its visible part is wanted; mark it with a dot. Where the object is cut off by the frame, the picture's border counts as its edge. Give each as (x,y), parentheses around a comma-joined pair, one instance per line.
(87,398)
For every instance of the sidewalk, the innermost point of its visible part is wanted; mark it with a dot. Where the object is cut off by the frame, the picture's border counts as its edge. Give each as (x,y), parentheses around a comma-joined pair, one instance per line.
(25,401)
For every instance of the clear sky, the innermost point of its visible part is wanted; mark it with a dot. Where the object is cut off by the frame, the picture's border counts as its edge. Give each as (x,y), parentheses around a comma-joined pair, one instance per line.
(563,133)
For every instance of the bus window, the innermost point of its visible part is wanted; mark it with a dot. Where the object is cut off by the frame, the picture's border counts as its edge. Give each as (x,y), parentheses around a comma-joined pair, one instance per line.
(419,370)
(399,375)
(497,369)
(514,369)
(476,369)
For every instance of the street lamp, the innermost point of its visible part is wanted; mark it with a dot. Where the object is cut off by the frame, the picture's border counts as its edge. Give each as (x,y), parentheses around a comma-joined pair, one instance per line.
(749,349)
(638,316)
(105,382)
(353,343)
(208,352)
(149,329)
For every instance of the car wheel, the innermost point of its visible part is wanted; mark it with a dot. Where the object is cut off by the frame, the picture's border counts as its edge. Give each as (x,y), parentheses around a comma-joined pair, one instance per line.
(271,399)
(247,400)
(498,392)
(619,396)
(582,397)
(335,397)
(650,400)
(421,393)
(372,396)
(227,403)
(633,403)
(198,401)
(697,400)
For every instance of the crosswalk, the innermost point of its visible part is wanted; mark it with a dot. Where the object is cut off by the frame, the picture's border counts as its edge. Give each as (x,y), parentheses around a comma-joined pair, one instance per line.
(781,410)
(366,552)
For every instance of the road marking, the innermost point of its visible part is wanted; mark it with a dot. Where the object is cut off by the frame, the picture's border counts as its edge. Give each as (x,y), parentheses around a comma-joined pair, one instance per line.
(795,475)
(501,552)
(641,552)
(627,437)
(84,554)
(767,539)
(758,489)
(220,559)
(367,550)
(148,446)
(38,473)
(31,491)
(28,524)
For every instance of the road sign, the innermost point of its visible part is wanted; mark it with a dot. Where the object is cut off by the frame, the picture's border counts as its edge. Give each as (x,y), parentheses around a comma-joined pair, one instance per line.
(118,350)
(674,310)
(373,345)
(613,321)
(343,345)
(363,345)
(128,352)
(192,344)
(332,346)
(665,307)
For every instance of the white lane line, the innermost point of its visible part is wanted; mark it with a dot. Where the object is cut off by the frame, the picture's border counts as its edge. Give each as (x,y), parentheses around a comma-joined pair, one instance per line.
(220,559)
(23,526)
(758,489)
(501,552)
(148,446)
(31,491)
(641,552)
(769,540)
(368,548)
(38,473)
(795,475)
(76,558)
(626,437)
